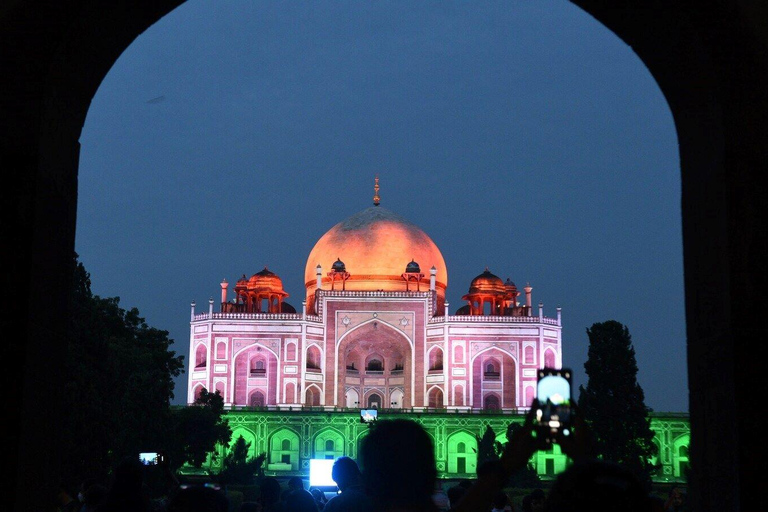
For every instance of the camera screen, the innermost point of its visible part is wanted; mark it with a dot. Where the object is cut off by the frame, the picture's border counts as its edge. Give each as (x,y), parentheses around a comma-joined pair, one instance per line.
(148,458)
(368,415)
(553,394)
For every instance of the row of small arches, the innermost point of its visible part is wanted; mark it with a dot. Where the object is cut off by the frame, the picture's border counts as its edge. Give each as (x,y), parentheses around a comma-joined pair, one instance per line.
(373,362)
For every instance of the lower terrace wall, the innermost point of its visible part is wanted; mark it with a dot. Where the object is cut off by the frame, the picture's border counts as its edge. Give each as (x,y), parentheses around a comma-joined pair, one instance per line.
(290,438)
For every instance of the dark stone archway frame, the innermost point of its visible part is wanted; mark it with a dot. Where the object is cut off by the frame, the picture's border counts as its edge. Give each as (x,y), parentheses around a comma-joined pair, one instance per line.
(709,58)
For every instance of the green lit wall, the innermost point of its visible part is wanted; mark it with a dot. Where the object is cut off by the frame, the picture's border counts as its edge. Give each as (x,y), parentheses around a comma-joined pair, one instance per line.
(292,438)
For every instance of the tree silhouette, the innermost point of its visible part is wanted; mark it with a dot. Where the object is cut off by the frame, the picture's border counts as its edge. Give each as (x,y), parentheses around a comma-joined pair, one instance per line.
(237,468)
(613,403)
(197,429)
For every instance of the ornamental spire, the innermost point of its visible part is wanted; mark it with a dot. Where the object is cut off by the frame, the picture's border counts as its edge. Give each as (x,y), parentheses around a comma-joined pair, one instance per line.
(376,198)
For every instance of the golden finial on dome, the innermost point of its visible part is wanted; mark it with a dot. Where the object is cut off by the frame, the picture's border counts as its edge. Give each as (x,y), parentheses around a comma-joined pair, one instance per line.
(376,198)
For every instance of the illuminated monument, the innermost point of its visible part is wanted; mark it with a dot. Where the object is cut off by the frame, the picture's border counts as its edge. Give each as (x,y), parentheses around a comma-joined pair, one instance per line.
(373,331)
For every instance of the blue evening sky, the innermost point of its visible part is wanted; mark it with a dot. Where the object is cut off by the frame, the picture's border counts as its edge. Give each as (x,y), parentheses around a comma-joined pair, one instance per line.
(522,136)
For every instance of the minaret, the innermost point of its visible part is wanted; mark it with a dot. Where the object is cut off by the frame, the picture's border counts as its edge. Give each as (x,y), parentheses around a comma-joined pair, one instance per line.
(319,276)
(528,290)
(376,198)
(432,274)
(224,285)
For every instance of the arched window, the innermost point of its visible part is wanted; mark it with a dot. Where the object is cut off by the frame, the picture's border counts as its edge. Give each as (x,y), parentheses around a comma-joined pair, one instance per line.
(221,350)
(549,359)
(529,355)
(529,396)
(290,393)
(491,402)
(313,358)
(436,398)
(290,351)
(458,354)
(374,401)
(200,359)
(458,395)
(257,399)
(328,444)
(284,450)
(258,367)
(436,359)
(375,365)
(461,449)
(492,370)
(312,397)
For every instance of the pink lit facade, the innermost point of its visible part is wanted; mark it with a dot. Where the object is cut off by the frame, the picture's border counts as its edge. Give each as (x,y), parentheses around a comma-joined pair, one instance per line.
(373,331)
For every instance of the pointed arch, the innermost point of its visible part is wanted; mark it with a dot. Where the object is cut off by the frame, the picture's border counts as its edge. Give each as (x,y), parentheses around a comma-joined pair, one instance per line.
(461,447)
(248,436)
(550,358)
(435,358)
(375,340)
(255,366)
(284,450)
(435,397)
(257,398)
(314,358)
(352,398)
(494,368)
(312,395)
(197,391)
(328,444)
(201,356)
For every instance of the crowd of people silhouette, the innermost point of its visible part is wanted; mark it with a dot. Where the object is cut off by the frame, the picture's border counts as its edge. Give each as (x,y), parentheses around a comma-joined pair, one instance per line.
(397,473)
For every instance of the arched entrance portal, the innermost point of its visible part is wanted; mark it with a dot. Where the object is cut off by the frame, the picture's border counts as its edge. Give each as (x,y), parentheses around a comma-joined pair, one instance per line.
(374,361)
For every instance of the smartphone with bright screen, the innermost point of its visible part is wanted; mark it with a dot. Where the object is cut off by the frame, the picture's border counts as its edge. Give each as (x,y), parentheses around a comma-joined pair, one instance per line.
(148,458)
(368,415)
(553,407)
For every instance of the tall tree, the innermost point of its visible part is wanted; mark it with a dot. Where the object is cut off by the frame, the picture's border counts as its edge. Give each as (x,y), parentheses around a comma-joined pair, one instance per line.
(196,430)
(238,468)
(613,403)
(119,382)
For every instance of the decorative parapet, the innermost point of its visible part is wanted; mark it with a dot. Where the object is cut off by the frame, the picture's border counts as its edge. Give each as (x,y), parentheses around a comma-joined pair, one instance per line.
(387,294)
(493,319)
(256,316)
(248,316)
(320,294)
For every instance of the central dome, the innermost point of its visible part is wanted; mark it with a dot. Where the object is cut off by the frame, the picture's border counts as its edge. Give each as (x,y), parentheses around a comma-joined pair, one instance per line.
(375,246)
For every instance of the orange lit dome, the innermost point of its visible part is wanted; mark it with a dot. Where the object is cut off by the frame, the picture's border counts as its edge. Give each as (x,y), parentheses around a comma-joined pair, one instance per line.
(266,281)
(487,284)
(376,245)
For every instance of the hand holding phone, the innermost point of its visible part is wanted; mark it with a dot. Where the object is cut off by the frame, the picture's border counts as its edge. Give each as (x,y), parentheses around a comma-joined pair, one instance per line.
(553,407)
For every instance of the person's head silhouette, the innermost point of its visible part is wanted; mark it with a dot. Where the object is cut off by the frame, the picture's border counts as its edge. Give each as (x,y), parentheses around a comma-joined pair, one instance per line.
(597,486)
(398,465)
(345,473)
